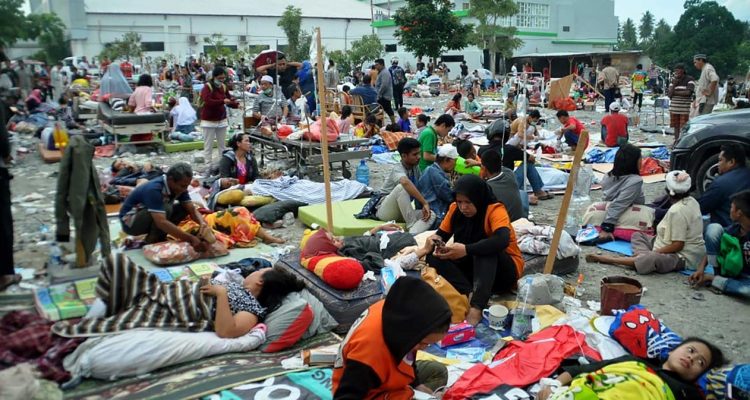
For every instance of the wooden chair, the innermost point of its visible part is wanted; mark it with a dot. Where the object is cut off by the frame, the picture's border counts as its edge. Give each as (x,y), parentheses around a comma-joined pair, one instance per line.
(333,103)
(360,110)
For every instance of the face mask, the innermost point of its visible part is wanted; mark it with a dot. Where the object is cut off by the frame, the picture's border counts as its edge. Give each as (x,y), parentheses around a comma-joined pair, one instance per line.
(268,91)
(217,83)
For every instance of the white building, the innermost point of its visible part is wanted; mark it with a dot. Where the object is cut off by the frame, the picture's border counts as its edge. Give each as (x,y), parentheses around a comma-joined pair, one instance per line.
(179,28)
(545,26)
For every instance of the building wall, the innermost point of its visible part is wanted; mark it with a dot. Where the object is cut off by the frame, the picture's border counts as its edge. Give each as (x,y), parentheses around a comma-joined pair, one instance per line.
(174,31)
(571,26)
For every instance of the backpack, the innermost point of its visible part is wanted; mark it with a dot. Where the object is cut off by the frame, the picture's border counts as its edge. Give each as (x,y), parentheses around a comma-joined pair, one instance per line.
(399,77)
(199,100)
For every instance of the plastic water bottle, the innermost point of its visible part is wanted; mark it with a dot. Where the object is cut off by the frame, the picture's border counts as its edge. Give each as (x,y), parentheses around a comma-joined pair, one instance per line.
(363,173)
(55,262)
(523,313)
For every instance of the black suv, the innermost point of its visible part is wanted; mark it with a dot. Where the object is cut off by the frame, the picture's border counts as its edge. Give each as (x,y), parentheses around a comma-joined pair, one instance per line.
(697,152)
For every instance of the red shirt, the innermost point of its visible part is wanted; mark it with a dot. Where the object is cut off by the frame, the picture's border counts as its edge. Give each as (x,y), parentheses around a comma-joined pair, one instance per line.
(579,127)
(127,69)
(617,127)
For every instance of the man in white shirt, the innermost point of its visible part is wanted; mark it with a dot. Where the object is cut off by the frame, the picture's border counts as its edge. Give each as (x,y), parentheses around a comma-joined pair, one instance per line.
(707,92)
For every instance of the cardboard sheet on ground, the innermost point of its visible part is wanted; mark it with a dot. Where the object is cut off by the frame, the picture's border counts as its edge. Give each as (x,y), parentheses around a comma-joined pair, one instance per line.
(607,167)
(344,223)
(113,210)
(49,156)
(617,246)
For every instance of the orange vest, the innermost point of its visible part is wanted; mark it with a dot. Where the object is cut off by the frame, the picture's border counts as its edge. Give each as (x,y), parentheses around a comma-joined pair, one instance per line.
(365,344)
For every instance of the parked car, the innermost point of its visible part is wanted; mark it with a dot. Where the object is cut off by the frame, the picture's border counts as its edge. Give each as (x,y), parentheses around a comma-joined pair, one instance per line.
(697,151)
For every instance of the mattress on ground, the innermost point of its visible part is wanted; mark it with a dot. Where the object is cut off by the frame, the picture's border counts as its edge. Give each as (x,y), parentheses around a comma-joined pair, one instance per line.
(344,223)
(49,156)
(534,264)
(173,147)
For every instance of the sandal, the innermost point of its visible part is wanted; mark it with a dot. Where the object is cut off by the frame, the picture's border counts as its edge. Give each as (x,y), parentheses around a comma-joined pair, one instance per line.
(7,280)
(544,195)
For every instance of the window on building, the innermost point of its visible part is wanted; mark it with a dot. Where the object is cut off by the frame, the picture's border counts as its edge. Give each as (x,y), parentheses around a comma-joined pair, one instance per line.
(152,46)
(566,28)
(449,58)
(390,48)
(466,5)
(533,15)
(257,48)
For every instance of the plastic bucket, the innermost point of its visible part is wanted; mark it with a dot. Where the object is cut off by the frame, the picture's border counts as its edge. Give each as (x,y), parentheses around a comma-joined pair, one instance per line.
(619,293)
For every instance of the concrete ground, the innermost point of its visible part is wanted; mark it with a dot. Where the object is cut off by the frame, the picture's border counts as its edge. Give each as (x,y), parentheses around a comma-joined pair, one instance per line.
(720,319)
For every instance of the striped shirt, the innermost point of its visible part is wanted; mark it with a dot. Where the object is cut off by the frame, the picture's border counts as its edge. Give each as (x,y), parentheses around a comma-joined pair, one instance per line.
(680,104)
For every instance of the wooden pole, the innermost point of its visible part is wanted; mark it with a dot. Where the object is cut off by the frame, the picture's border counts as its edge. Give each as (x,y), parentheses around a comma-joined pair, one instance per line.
(580,149)
(589,85)
(324,133)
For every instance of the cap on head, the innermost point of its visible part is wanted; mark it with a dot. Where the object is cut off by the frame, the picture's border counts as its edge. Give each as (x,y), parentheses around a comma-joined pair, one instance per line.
(266,78)
(615,106)
(448,151)
(678,182)
(700,56)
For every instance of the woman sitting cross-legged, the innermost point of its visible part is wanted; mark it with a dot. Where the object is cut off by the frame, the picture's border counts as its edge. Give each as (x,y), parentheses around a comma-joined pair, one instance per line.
(628,377)
(136,299)
(679,236)
(484,257)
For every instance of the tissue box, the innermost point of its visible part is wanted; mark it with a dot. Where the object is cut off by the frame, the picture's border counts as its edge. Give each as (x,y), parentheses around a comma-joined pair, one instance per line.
(389,274)
(458,333)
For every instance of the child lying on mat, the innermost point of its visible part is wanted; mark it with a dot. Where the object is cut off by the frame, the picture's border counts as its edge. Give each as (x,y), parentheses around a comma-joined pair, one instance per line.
(679,236)
(628,377)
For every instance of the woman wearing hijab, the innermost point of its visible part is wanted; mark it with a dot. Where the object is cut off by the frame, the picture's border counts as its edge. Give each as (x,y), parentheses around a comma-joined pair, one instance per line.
(184,120)
(34,100)
(216,98)
(114,83)
(377,358)
(484,257)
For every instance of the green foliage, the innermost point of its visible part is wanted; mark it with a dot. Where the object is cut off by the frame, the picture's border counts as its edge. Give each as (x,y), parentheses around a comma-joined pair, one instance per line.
(13,25)
(661,39)
(705,28)
(298,41)
(366,49)
(127,46)
(50,32)
(216,48)
(428,27)
(646,28)
(489,34)
(628,38)
(691,3)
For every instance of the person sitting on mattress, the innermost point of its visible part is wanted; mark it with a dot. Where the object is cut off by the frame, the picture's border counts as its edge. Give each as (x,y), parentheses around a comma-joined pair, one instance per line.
(679,236)
(377,359)
(238,164)
(150,209)
(630,377)
(622,188)
(435,183)
(484,257)
(400,187)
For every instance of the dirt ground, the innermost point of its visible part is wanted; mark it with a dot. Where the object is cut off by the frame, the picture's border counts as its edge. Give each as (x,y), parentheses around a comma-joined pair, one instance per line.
(720,319)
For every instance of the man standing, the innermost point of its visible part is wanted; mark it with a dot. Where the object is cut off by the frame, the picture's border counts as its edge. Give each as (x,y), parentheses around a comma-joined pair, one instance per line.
(734,177)
(399,81)
(608,79)
(707,92)
(464,69)
(127,68)
(287,71)
(731,91)
(384,86)
(7,272)
(331,76)
(56,79)
(653,77)
(24,79)
(680,93)
(639,85)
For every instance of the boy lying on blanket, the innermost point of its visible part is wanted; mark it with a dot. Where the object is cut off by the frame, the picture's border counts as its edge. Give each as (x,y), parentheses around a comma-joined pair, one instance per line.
(628,377)
(136,299)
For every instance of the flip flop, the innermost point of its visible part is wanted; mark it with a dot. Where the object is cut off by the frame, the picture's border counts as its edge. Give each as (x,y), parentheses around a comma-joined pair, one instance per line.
(14,279)
(545,196)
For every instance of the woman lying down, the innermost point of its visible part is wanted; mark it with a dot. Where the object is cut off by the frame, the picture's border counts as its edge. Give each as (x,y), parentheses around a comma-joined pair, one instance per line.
(136,299)
(628,377)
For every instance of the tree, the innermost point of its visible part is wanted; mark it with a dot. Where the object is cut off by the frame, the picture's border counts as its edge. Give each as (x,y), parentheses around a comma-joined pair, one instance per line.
(428,27)
(15,26)
(366,49)
(50,31)
(298,41)
(216,48)
(127,46)
(488,34)
(628,40)
(662,36)
(646,28)
(706,28)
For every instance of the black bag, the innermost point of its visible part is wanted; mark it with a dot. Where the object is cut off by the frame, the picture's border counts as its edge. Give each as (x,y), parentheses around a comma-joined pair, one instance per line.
(370,208)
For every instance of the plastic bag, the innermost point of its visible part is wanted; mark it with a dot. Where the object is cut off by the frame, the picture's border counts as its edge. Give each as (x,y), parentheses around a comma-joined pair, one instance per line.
(170,253)
(541,289)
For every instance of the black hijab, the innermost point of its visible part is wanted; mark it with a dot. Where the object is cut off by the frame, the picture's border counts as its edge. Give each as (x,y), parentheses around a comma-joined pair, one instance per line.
(412,310)
(471,230)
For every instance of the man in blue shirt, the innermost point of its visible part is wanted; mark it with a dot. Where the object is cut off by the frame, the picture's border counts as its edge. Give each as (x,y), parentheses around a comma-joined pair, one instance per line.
(150,208)
(366,91)
(435,184)
(733,177)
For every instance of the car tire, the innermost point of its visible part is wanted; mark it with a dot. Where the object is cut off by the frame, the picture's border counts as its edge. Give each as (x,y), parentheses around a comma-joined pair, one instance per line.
(707,172)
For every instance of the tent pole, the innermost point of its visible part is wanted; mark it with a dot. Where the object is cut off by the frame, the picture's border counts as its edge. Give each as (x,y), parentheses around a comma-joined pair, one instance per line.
(324,134)
(580,149)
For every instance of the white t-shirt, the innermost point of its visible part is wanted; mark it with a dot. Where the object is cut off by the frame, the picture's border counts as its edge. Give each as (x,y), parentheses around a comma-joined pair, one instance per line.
(683,223)
(708,75)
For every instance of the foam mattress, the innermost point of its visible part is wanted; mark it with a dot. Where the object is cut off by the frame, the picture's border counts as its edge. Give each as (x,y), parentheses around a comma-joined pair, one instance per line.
(343,217)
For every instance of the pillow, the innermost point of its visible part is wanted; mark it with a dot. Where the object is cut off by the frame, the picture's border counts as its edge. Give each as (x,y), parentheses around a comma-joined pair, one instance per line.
(256,201)
(343,273)
(718,383)
(231,197)
(287,324)
(642,334)
(169,253)
(322,321)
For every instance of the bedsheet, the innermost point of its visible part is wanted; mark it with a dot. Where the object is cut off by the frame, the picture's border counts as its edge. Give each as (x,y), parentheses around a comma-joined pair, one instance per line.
(141,351)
